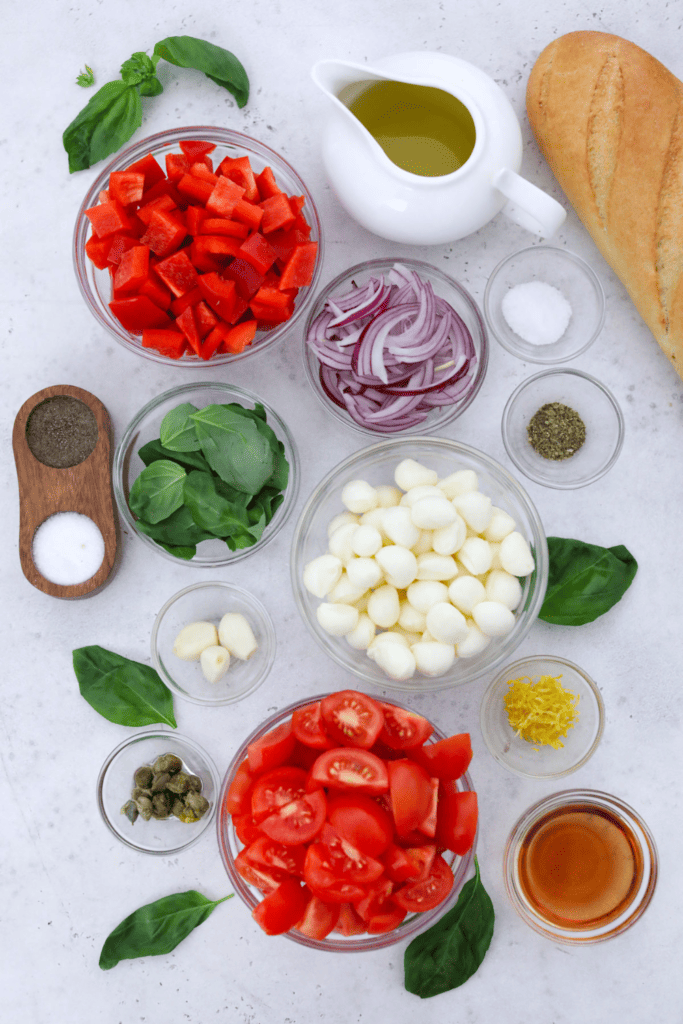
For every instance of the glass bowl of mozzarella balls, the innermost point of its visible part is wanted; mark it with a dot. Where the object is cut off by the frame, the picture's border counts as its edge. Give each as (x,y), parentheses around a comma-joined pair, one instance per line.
(419,564)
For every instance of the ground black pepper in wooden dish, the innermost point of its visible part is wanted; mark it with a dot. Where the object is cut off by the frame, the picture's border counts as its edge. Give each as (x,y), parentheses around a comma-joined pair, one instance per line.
(556,431)
(61,432)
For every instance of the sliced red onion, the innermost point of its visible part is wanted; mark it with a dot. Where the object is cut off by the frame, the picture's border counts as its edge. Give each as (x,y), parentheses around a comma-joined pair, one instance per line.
(391,351)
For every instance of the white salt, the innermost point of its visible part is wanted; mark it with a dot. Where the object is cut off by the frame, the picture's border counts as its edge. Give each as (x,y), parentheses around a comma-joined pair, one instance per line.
(538,312)
(68,548)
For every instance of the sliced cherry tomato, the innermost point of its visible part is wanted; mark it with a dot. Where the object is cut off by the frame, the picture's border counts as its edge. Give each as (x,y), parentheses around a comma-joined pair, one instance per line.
(349,923)
(361,821)
(352,718)
(246,828)
(410,791)
(277,788)
(282,908)
(456,824)
(446,759)
(403,728)
(266,879)
(386,918)
(265,852)
(271,750)
(298,821)
(427,893)
(238,797)
(304,757)
(408,862)
(428,825)
(376,895)
(322,879)
(347,861)
(319,918)
(351,769)
(307,726)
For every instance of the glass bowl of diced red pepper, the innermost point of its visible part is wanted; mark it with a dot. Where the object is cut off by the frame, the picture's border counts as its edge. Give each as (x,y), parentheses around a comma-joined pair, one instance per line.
(198,244)
(347,823)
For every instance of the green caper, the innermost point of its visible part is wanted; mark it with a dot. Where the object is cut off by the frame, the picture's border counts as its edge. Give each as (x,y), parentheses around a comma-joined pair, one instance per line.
(161,805)
(197,803)
(144,806)
(160,781)
(143,776)
(139,791)
(178,783)
(167,763)
(130,810)
(178,808)
(194,783)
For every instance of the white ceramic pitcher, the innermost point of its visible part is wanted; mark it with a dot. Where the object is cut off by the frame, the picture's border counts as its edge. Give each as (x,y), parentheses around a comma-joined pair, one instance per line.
(415,209)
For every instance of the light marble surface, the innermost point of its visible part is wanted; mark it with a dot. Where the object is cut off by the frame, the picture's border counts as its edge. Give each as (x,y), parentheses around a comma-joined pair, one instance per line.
(65,880)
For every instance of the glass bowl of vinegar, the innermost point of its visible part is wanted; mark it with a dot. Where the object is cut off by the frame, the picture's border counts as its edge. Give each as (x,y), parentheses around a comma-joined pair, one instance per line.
(580,866)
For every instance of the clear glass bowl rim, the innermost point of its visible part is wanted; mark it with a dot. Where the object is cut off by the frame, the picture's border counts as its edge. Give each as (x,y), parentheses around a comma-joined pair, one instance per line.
(233,391)
(414,925)
(138,149)
(448,413)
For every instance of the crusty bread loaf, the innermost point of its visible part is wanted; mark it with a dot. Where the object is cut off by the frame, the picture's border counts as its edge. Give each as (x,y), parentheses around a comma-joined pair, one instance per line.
(608,118)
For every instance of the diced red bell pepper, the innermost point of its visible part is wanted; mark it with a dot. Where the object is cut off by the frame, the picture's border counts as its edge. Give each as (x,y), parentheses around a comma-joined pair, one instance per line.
(298,270)
(200,170)
(271,305)
(225,195)
(154,289)
(213,340)
(126,186)
(246,277)
(97,250)
(108,218)
(195,189)
(151,169)
(219,294)
(165,187)
(177,165)
(220,226)
(188,325)
(132,270)
(138,312)
(239,169)
(194,149)
(257,251)
(266,184)
(164,233)
(178,273)
(205,318)
(239,336)
(248,213)
(118,246)
(277,214)
(190,298)
(283,242)
(160,203)
(166,341)
(214,245)
(194,218)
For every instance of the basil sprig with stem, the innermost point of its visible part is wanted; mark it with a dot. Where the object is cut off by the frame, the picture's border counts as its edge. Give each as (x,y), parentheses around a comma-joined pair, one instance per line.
(122,691)
(157,928)
(114,113)
(450,952)
(584,580)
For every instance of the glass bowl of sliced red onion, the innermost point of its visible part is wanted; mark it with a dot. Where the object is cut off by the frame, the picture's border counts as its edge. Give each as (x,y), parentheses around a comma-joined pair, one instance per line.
(395,346)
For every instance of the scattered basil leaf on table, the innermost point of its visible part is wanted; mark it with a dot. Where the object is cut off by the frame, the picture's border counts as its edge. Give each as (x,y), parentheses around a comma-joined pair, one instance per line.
(584,580)
(157,928)
(86,78)
(449,952)
(158,491)
(114,113)
(123,691)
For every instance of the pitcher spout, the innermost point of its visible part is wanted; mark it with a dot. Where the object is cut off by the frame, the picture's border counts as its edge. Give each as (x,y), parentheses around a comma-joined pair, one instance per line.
(337,78)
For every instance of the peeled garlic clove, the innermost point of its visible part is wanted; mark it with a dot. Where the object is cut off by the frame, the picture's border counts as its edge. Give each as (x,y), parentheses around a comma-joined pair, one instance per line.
(493,618)
(193,639)
(359,496)
(410,473)
(237,636)
(215,661)
(515,555)
(337,619)
(321,574)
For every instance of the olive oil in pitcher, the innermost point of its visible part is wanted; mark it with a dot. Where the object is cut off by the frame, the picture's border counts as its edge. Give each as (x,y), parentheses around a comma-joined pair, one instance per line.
(424,130)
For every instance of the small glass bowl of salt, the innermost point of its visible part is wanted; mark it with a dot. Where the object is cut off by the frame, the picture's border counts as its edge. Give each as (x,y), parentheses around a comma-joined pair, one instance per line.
(544,305)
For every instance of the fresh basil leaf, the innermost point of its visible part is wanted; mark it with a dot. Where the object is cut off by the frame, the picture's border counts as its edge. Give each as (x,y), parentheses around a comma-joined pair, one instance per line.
(154,450)
(234,448)
(179,530)
(86,78)
(106,122)
(584,580)
(209,509)
(157,928)
(122,691)
(448,953)
(187,552)
(221,66)
(157,491)
(150,87)
(137,68)
(177,430)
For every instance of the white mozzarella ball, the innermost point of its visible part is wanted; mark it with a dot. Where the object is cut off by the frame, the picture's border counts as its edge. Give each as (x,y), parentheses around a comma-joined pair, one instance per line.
(493,618)
(388,496)
(398,526)
(502,586)
(475,555)
(398,564)
(375,517)
(340,542)
(417,493)
(411,619)
(474,643)
(363,634)
(431,566)
(337,619)
(450,539)
(363,573)
(343,519)
(396,660)
(321,574)
(366,541)
(390,636)
(500,525)
(410,473)
(424,593)
(460,482)
(432,512)
(466,591)
(383,606)
(515,555)
(475,509)
(433,658)
(359,496)
(345,591)
(446,623)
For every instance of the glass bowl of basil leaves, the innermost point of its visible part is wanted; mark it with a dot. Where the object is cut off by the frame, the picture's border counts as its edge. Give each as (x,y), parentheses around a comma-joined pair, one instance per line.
(156,301)
(206,474)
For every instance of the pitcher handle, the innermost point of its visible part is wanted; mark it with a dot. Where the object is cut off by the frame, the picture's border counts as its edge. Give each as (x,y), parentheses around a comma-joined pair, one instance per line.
(528,205)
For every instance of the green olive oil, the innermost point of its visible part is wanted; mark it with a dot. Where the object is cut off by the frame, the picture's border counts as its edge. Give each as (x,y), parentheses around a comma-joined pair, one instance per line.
(421,129)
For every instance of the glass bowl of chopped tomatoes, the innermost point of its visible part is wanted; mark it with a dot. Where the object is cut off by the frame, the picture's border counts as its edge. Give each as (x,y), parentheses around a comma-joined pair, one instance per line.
(198,245)
(347,823)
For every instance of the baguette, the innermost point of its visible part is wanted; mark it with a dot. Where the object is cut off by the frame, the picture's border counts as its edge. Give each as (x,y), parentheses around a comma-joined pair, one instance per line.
(608,118)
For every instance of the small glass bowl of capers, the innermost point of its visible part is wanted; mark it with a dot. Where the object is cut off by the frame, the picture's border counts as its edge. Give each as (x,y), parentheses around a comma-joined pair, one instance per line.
(157,792)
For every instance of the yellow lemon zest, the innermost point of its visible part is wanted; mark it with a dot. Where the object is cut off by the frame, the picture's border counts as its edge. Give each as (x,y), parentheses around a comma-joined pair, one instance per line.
(542,711)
